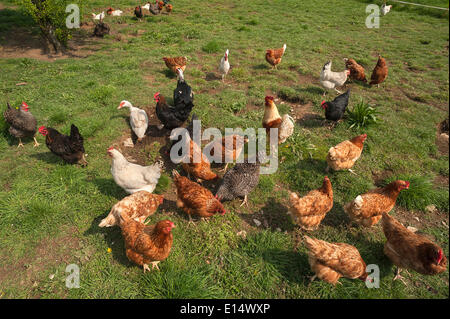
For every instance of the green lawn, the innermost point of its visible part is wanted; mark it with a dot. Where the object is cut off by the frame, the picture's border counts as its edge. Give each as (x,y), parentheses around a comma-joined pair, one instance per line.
(49,211)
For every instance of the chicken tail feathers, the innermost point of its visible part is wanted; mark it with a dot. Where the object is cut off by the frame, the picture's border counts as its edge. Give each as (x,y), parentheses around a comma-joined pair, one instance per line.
(109,221)
(9,106)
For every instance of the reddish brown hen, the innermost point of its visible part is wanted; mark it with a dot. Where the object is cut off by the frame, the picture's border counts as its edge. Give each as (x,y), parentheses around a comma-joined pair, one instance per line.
(380,72)
(356,70)
(198,165)
(331,261)
(175,63)
(368,208)
(409,250)
(231,147)
(146,244)
(345,154)
(309,210)
(195,199)
(273,56)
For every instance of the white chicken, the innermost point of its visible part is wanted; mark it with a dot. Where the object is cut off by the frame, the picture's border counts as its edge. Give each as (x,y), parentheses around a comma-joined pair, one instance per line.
(116,13)
(224,66)
(385,9)
(133,177)
(286,128)
(99,16)
(330,80)
(138,119)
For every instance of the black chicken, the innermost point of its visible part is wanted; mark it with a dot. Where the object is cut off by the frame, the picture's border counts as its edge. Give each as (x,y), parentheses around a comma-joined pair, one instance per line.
(169,116)
(138,12)
(336,109)
(69,148)
(183,97)
(101,29)
(239,181)
(22,122)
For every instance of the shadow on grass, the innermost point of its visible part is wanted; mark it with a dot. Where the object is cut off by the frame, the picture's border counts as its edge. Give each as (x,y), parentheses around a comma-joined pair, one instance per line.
(212,77)
(49,157)
(108,187)
(168,74)
(261,66)
(336,217)
(290,264)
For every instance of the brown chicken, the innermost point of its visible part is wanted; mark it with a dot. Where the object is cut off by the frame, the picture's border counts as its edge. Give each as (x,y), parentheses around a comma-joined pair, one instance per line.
(409,250)
(273,56)
(200,170)
(194,199)
(231,153)
(356,70)
(345,154)
(175,63)
(137,206)
(368,208)
(272,119)
(331,261)
(311,209)
(169,8)
(146,244)
(160,5)
(380,72)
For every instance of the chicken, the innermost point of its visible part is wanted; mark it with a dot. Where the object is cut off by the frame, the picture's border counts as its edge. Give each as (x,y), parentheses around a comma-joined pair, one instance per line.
(385,9)
(69,148)
(309,210)
(331,261)
(176,63)
(169,116)
(138,12)
(22,122)
(101,29)
(138,119)
(334,111)
(412,251)
(175,133)
(272,119)
(356,70)
(137,206)
(198,164)
(133,177)
(146,6)
(380,72)
(154,8)
(99,16)
(368,208)
(273,56)
(231,147)
(109,11)
(224,66)
(194,199)
(330,80)
(169,8)
(183,97)
(116,13)
(345,154)
(160,5)
(239,181)
(144,244)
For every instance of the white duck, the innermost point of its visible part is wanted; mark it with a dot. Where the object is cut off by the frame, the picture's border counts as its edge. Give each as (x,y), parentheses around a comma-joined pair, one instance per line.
(138,119)
(224,66)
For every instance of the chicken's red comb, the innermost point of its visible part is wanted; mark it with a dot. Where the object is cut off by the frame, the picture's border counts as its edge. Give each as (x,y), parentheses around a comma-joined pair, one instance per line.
(407,184)
(268,97)
(156,95)
(323,102)
(25,104)
(440,256)
(110,148)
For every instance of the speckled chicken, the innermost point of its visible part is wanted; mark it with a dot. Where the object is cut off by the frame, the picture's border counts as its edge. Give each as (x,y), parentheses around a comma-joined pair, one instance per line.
(410,250)
(22,122)
(309,210)
(331,261)
(194,199)
(239,181)
(272,119)
(368,208)
(144,244)
(345,154)
(137,206)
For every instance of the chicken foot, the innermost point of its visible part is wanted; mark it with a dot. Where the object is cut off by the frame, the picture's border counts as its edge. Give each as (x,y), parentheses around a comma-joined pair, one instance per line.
(36,144)
(398,276)
(20,143)
(245,201)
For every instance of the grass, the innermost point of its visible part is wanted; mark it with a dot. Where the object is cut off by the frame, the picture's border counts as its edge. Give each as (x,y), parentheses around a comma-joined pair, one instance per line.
(362,115)
(49,211)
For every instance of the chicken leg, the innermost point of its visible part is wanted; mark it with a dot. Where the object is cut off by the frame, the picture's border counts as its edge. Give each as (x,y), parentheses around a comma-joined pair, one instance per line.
(146,268)
(20,143)
(36,144)
(155,265)
(244,201)
(398,276)
(351,171)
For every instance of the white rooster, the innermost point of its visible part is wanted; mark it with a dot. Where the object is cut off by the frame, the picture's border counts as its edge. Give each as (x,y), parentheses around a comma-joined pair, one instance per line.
(138,119)
(133,177)
(330,80)
(116,13)
(224,66)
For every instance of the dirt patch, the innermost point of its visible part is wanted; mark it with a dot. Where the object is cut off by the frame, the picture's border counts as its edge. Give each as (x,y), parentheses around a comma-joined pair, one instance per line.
(441,181)
(48,253)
